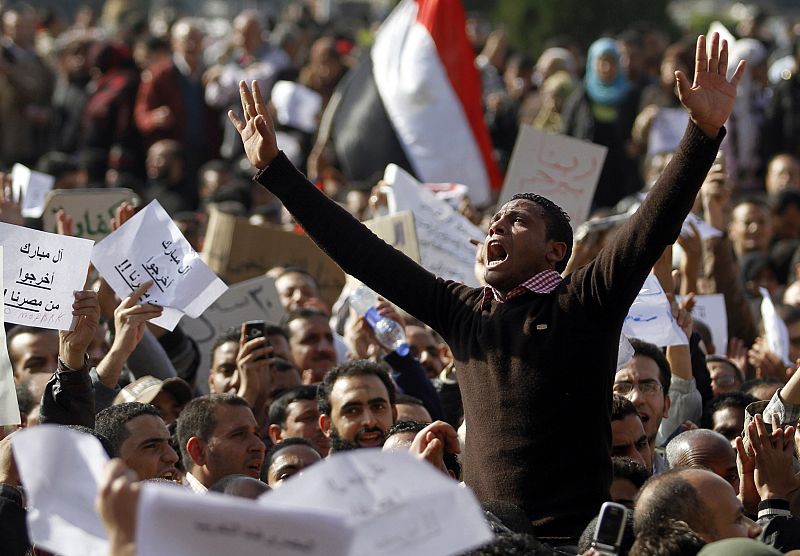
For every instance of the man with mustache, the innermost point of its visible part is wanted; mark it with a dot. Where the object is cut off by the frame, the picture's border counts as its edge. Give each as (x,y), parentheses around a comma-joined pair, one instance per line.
(356,403)
(311,343)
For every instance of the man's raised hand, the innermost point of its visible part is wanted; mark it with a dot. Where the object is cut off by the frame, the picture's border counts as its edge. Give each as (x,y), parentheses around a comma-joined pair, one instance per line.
(710,98)
(257,131)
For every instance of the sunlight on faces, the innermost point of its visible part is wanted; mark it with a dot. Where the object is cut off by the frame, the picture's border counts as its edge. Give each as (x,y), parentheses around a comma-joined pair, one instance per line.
(223,368)
(290,461)
(724,518)
(724,378)
(360,412)
(517,247)
(146,450)
(302,420)
(234,447)
(628,439)
(751,227)
(295,289)
(34,358)
(311,344)
(729,422)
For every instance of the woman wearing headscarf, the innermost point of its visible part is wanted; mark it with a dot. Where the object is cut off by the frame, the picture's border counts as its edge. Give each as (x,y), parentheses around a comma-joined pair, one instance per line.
(602,110)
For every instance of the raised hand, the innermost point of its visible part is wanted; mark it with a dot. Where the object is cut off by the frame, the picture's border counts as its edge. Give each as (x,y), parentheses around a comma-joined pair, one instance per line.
(257,131)
(710,98)
(74,343)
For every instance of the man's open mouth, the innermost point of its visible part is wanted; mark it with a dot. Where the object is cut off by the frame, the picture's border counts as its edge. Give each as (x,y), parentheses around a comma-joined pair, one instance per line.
(495,254)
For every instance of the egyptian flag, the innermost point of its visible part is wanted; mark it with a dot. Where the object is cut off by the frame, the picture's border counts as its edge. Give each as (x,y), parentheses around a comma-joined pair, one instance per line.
(415,100)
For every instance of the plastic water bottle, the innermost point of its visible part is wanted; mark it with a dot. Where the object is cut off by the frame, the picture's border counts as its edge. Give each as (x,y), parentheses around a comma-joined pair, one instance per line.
(387,331)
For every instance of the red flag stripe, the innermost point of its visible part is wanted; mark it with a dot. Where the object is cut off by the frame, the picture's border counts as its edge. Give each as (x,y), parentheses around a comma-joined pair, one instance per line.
(445,20)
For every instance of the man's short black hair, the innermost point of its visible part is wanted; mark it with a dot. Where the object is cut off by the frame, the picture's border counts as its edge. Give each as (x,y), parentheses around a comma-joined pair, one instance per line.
(754,383)
(720,359)
(352,368)
(111,421)
(621,407)
(408,400)
(104,442)
(232,334)
(297,270)
(302,313)
(781,201)
(199,419)
(279,409)
(654,352)
(285,443)
(276,330)
(632,470)
(557,223)
(405,426)
(736,400)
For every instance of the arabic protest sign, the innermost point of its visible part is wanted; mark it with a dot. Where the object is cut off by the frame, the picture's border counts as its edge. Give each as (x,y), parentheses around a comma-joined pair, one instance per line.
(91,209)
(442,233)
(40,273)
(561,168)
(61,516)
(9,409)
(650,317)
(215,524)
(254,299)
(238,250)
(150,247)
(32,186)
(395,503)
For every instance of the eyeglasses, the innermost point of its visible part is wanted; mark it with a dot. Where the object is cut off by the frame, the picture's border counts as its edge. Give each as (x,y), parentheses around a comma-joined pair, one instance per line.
(724,380)
(647,388)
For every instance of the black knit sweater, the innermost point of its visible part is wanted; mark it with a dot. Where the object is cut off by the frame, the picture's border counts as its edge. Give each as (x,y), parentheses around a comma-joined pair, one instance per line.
(536,372)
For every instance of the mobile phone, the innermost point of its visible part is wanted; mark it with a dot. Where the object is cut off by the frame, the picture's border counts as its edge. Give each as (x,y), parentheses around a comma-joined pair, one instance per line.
(607,536)
(256,329)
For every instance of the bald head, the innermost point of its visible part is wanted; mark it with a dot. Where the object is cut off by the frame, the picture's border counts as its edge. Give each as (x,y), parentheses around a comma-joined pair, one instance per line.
(704,449)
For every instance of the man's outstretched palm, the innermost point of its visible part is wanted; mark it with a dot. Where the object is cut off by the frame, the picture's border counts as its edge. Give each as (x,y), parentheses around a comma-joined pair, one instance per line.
(257,132)
(710,98)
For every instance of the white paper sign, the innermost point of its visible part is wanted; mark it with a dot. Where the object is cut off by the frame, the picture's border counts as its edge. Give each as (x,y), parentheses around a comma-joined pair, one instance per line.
(296,105)
(33,186)
(60,469)
(775,331)
(40,273)
(667,130)
(442,233)
(710,309)
(9,408)
(561,168)
(150,247)
(173,520)
(650,317)
(254,299)
(396,504)
(705,230)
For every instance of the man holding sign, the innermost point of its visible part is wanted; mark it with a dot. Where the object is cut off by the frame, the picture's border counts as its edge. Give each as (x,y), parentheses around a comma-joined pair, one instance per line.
(514,341)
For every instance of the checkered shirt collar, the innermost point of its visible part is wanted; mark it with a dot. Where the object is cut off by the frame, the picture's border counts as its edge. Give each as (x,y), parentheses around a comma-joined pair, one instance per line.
(544,282)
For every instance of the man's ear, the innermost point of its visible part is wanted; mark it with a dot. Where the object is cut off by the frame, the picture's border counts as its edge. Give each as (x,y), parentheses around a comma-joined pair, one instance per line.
(196,448)
(325,424)
(275,433)
(667,404)
(394,413)
(557,252)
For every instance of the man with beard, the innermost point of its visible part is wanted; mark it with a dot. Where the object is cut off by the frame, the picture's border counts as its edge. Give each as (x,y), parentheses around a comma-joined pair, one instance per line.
(356,402)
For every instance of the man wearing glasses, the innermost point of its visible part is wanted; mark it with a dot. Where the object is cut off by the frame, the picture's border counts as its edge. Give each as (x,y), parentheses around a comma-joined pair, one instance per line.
(647,381)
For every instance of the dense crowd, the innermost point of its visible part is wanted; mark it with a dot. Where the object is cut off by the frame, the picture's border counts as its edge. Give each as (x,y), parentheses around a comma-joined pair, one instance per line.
(514,387)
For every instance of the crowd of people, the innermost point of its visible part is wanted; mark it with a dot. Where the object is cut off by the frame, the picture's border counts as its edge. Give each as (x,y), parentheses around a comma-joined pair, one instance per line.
(513,387)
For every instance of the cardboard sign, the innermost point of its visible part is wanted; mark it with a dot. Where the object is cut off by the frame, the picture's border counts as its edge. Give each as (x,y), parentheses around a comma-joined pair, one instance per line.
(237,250)
(561,168)
(40,273)
(442,233)
(650,317)
(150,246)
(9,408)
(398,230)
(32,186)
(91,209)
(254,299)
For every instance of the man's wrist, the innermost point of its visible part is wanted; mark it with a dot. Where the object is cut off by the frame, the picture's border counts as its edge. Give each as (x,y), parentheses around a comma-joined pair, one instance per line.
(73,360)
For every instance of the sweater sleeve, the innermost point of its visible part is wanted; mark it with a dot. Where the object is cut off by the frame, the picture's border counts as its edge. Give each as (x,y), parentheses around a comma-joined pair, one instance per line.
(68,398)
(361,253)
(610,283)
(411,378)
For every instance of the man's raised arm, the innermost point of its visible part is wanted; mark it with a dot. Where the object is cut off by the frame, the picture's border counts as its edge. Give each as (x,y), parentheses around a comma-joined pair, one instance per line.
(613,280)
(348,242)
